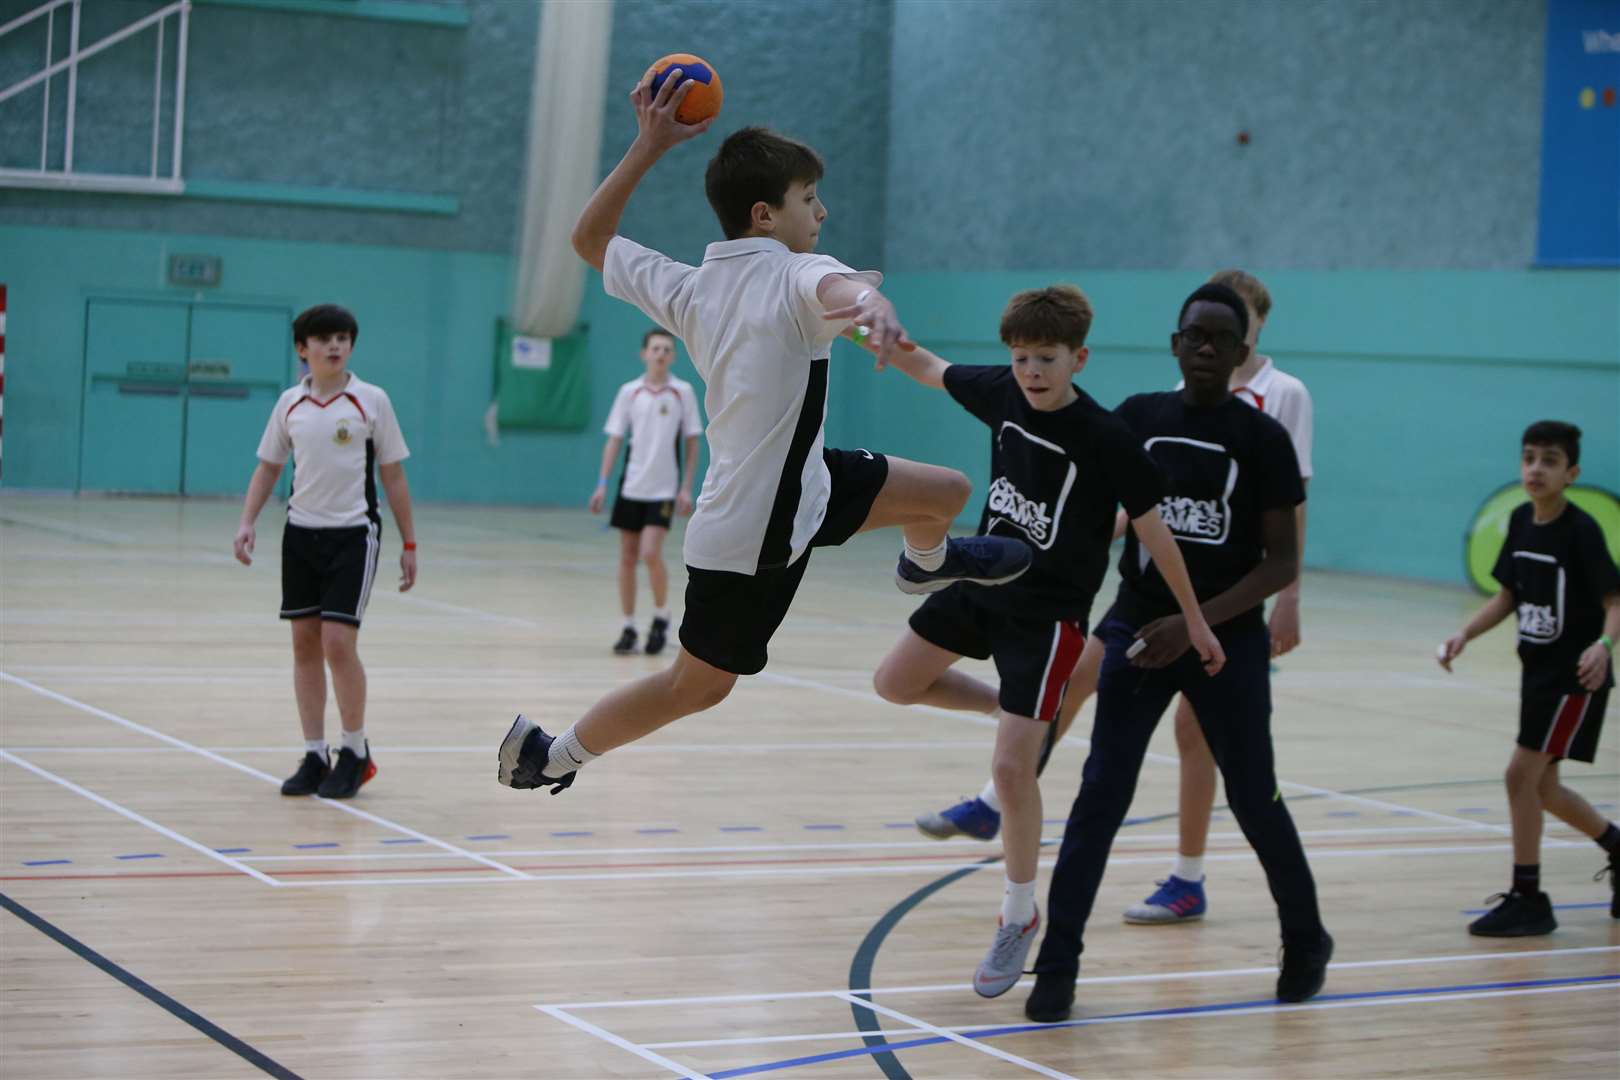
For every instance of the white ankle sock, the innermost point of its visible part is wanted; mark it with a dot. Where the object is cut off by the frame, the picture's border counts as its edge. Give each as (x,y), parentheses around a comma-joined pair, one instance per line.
(930,559)
(315,746)
(1189,868)
(356,741)
(567,755)
(989,797)
(662,613)
(629,622)
(1018,903)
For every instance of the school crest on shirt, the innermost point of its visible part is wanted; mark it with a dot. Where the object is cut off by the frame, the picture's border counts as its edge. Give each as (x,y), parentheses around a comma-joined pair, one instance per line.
(342,436)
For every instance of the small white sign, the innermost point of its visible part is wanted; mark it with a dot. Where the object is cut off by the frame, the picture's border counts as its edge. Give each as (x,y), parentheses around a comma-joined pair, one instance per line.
(531,352)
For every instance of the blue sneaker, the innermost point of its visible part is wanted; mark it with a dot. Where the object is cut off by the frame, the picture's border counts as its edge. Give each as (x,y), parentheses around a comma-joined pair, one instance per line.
(1176,901)
(970,817)
(982,560)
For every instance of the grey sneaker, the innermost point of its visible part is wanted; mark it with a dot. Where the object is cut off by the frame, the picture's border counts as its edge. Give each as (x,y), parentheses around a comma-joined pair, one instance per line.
(523,756)
(1003,965)
(981,560)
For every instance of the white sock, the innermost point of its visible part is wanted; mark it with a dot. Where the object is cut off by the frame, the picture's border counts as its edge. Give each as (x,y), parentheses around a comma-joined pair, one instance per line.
(989,797)
(315,746)
(662,613)
(1189,868)
(1018,903)
(931,559)
(567,755)
(629,622)
(356,741)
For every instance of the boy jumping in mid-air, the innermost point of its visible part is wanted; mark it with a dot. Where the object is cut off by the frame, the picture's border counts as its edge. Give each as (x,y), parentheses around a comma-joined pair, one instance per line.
(758,318)
(1059,466)
(657,412)
(1556,573)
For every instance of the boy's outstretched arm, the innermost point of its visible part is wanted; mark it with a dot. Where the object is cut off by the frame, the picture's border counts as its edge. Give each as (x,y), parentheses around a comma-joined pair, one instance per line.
(657,131)
(1495,610)
(916,361)
(1166,639)
(857,303)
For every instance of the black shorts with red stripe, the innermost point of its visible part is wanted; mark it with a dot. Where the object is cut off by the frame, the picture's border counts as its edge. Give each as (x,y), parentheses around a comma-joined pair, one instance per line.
(1034,657)
(1560,717)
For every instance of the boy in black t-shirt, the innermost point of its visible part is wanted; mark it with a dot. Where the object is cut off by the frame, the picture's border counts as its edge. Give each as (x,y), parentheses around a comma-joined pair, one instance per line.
(1233,485)
(1556,572)
(1060,464)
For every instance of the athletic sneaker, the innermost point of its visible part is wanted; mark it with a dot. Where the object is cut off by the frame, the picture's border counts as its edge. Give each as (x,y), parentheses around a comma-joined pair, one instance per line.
(1003,965)
(348,774)
(1613,870)
(1304,968)
(656,636)
(524,752)
(311,771)
(1052,998)
(1175,901)
(982,560)
(627,641)
(1518,915)
(970,817)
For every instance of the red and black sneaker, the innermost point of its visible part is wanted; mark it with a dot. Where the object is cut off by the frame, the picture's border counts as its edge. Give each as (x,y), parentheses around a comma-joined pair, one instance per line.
(348,774)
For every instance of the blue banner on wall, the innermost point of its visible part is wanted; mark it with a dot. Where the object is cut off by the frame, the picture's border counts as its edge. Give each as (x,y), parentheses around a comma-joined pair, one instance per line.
(1580,136)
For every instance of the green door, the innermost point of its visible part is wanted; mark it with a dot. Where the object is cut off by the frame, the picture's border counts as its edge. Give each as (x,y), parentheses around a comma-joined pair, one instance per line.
(134,396)
(239,363)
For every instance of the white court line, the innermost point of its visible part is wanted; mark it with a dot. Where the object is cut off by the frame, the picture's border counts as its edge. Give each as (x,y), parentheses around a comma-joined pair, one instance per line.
(623,1044)
(1381,804)
(839,870)
(249,770)
(960,1040)
(654,748)
(777,849)
(161,830)
(1158,976)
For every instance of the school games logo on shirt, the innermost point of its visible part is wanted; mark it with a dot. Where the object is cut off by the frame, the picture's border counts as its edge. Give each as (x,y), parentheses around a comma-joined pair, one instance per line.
(1537,622)
(1201,477)
(1539,577)
(1009,504)
(1194,518)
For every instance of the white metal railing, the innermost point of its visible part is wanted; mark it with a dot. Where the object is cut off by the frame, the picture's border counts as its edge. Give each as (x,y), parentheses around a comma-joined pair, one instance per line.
(67,176)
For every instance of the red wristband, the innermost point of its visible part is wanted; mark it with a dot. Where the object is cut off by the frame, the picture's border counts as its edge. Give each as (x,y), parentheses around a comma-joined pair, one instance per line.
(410,545)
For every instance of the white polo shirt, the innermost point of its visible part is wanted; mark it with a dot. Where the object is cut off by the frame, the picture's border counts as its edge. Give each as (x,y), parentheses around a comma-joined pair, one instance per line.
(656,418)
(756,333)
(334,444)
(1283,398)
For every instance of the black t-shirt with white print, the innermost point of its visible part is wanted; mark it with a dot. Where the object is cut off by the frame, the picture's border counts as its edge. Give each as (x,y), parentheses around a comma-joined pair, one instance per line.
(1224,466)
(1055,480)
(1558,573)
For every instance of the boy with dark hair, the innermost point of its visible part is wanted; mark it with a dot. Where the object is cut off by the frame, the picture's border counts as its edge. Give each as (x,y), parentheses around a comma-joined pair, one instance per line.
(758,318)
(335,427)
(1556,572)
(1233,484)
(658,412)
(1060,465)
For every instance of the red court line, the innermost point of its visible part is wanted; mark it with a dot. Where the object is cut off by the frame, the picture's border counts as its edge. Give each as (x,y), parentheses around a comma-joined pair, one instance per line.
(459,868)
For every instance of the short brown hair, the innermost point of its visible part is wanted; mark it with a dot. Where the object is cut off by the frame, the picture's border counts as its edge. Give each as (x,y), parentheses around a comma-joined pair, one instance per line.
(657,331)
(1055,315)
(754,165)
(1247,286)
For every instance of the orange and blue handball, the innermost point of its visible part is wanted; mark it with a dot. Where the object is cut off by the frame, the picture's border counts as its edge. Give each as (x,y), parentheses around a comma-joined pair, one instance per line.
(703,100)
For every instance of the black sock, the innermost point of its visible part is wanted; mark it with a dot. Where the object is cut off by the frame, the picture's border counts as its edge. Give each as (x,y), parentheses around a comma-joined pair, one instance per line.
(1527,879)
(1610,840)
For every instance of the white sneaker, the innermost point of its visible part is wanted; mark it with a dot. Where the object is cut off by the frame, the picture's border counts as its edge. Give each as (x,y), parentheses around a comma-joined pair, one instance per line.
(1003,965)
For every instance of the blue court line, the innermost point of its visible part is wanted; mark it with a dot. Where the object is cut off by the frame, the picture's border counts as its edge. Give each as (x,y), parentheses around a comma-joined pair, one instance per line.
(1186,1010)
(310,847)
(1556,907)
(142,855)
(1344,813)
(492,836)
(824,828)
(655,832)
(232,850)
(585,832)
(899,824)
(48,862)
(742,828)
(150,992)
(401,840)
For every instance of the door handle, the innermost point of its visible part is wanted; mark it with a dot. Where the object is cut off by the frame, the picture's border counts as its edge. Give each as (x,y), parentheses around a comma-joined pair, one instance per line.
(150,389)
(217,390)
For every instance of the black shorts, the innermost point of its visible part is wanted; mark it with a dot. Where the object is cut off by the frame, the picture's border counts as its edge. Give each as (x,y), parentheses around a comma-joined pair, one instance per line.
(328,572)
(1563,724)
(731,617)
(633,515)
(1034,657)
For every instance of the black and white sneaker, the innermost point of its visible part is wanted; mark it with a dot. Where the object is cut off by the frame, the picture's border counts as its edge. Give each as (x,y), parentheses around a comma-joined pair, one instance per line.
(1304,968)
(981,560)
(307,780)
(626,643)
(524,753)
(657,636)
(1518,915)
(350,771)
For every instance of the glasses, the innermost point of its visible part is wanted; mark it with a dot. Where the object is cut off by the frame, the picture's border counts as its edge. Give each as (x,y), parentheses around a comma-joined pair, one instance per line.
(1196,337)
